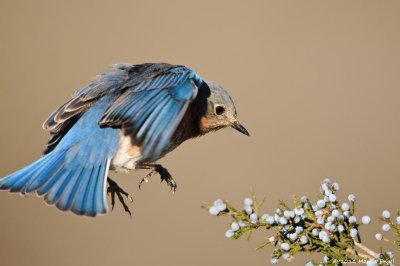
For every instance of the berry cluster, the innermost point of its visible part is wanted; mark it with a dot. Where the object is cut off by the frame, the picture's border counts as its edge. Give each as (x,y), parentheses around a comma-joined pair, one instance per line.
(324,226)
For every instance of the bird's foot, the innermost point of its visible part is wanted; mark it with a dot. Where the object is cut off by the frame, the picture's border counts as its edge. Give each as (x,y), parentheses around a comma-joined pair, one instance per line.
(114,189)
(146,179)
(164,174)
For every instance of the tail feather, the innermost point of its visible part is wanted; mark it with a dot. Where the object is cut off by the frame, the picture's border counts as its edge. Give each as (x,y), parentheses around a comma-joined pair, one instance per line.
(85,199)
(68,190)
(81,193)
(52,182)
(98,199)
(17,180)
(45,173)
(80,189)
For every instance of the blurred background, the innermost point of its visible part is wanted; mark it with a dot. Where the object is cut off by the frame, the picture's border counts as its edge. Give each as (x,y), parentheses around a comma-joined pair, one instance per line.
(315,82)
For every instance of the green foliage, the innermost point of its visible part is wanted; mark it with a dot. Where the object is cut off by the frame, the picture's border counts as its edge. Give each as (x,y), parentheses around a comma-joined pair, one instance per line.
(324,226)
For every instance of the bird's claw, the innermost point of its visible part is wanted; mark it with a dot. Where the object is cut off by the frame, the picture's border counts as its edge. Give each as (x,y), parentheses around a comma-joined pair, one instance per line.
(165,176)
(170,182)
(114,189)
(146,179)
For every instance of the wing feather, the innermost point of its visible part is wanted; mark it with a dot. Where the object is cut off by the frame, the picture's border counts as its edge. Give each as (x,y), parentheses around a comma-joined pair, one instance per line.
(115,81)
(150,99)
(151,121)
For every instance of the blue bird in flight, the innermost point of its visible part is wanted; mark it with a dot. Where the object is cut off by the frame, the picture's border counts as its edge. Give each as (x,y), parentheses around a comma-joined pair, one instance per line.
(126,118)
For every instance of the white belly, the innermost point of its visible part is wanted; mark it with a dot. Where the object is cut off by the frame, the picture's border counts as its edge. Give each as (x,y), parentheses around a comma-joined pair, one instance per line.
(126,157)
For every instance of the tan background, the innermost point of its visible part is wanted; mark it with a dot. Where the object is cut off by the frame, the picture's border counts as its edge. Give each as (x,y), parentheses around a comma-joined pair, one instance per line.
(315,82)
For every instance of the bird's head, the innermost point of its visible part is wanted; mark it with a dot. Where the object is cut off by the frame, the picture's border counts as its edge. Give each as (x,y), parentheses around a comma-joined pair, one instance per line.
(221,111)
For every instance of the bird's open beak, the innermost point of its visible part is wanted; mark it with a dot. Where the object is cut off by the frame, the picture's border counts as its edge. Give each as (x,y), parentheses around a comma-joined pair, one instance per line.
(236,125)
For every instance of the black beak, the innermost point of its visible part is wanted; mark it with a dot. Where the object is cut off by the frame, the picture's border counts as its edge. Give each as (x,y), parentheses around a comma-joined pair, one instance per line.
(236,125)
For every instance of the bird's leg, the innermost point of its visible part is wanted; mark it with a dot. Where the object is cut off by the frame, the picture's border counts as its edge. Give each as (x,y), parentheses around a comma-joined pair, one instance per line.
(114,188)
(164,174)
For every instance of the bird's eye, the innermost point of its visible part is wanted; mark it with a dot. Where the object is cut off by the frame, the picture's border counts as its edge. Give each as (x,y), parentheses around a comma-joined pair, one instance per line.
(219,110)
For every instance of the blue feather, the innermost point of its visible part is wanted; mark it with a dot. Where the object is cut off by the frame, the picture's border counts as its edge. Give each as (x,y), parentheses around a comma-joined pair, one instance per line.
(69,190)
(157,107)
(151,110)
(160,122)
(44,174)
(135,107)
(73,175)
(141,114)
(19,178)
(85,189)
(160,125)
(55,192)
(99,203)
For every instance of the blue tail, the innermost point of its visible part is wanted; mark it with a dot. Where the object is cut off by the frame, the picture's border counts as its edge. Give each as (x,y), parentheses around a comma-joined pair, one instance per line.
(80,189)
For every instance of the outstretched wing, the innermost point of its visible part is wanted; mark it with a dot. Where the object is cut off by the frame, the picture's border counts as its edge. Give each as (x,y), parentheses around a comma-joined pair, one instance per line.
(150,111)
(115,81)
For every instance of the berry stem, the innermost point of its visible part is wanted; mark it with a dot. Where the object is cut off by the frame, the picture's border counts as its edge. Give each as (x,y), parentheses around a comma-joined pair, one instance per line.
(367,250)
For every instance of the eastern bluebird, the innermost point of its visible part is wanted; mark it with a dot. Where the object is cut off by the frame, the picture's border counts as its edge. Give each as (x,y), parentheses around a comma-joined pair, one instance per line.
(127,118)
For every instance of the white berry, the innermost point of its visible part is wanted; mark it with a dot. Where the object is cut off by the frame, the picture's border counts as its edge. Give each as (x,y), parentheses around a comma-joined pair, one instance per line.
(335,213)
(270,220)
(214,210)
(345,207)
(352,198)
(221,206)
(321,203)
(283,221)
(303,199)
(386,227)
(218,201)
(286,256)
(235,226)
(299,229)
(293,236)
(327,181)
(248,210)
(285,246)
(332,198)
(386,214)
(340,228)
(326,239)
(229,233)
(315,232)
(352,219)
(366,219)
(248,202)
(274,260)
(303,240)
(254,217)
(353,232)
(298,211)
(322,234)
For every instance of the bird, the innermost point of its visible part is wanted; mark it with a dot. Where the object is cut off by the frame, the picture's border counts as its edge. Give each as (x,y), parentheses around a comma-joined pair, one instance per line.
(127,118)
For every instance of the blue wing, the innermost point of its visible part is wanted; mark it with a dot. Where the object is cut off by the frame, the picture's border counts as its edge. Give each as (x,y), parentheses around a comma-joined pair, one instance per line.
(151,110)
(116,81)
(73,175)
